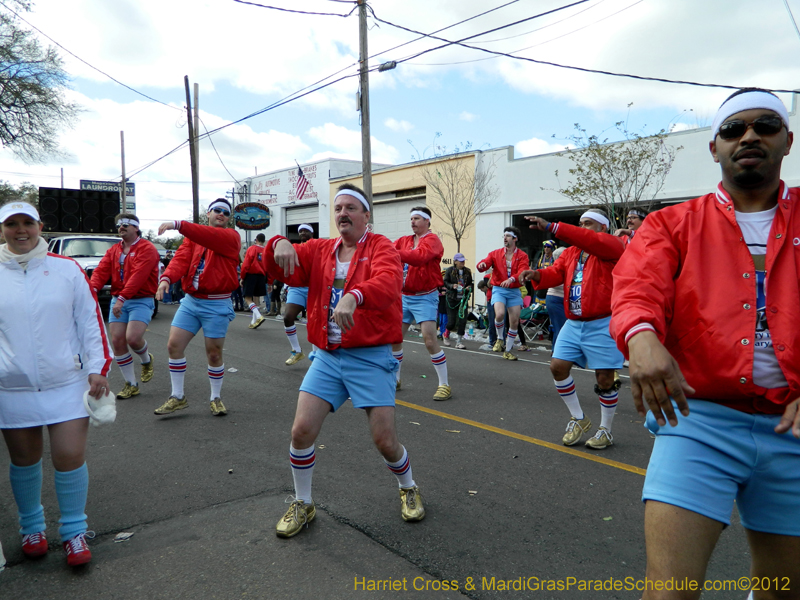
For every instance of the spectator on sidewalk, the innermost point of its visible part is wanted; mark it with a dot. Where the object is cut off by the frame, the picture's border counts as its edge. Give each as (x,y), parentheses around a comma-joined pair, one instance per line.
(43,381)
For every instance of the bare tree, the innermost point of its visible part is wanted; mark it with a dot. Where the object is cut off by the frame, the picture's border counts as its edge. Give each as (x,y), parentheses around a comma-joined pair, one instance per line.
(32,81)
(458,189)
(620,175)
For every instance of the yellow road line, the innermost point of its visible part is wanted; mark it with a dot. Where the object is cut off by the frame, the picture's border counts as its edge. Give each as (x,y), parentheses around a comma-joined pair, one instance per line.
(525,438)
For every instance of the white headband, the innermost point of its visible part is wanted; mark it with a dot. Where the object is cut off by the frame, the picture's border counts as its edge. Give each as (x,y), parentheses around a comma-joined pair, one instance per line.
(354,194)
(419,213)
(511,233)
(219,204)
(306,227)
(595,217)
(749,101)
(128,221)
(18,208)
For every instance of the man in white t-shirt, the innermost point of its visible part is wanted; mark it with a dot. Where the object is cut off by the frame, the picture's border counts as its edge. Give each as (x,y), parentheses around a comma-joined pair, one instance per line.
(705,303)
(354,314)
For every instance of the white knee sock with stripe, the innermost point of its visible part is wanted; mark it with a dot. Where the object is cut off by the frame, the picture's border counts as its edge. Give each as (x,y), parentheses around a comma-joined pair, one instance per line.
(125,364)
(302,462)
(142,353)
(254,309)
(399,357)
(402,470)
(177,372)
(510,339)
(440,364)
(568,394)
(498,327)
(608,407)
(215,375)
(291,333)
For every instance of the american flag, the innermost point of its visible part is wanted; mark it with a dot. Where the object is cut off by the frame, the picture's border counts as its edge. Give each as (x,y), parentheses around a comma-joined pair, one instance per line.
(302,184)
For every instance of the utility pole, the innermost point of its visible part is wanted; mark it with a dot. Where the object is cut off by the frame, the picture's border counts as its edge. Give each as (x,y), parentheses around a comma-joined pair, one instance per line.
(123,187)
(366,147)
(197,131)
(193,158)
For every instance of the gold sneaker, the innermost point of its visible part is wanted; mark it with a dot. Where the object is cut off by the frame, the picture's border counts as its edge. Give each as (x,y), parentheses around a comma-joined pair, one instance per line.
(411,508)
(299,514)
(443,393)
(257,323)
(128,391)
(575,430)
(601,439)
(218,408)
(509,356)
(147,370)
(295,358)
(397,386)
(171,405)
(499,346)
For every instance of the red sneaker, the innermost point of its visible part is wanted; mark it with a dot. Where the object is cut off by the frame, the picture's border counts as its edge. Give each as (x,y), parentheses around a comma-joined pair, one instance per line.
(34,544)
(77,550)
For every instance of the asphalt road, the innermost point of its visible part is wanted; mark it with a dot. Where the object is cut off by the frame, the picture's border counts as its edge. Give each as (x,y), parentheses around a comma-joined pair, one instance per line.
(506,503)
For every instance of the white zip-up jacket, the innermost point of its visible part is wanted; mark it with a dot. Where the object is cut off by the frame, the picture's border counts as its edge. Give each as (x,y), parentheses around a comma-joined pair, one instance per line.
(51,329)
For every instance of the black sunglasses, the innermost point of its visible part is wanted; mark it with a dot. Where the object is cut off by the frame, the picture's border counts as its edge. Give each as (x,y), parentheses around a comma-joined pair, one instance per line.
(762,126)
(222,211)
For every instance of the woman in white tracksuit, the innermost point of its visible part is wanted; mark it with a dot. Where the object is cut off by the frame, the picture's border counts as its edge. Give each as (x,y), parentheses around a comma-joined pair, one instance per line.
(53,348)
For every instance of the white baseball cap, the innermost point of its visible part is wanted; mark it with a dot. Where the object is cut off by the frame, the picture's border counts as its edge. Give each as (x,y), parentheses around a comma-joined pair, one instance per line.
(18,208)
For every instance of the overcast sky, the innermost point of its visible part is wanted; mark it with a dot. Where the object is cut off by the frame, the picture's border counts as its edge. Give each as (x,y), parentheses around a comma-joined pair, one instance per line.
(245,58)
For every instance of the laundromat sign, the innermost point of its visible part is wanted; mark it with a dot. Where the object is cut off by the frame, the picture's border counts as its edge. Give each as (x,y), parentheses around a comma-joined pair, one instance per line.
(251,216)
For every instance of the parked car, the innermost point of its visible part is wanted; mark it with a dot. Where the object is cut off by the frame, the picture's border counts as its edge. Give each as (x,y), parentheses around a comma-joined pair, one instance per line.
(87,250)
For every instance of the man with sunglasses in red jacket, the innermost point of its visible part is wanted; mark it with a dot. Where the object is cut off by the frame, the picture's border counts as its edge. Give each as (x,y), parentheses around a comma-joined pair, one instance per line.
(206,265)
(706,302)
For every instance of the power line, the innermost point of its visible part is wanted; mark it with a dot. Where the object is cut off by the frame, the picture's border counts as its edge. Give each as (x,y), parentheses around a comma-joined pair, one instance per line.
(85,62)
(280,103)
(548,63)
(540,43)
(297,95)
(567,18)
(299,12)
(445,28)
(215,150)
(791,16)
(151,163)
(208,134)
(459,42)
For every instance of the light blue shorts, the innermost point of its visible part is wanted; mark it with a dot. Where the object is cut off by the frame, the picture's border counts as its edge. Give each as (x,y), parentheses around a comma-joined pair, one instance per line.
(508,296)
(365,375)
(421,308)
(297,295)
(717,455)
(212,315)
(135,309)
(588,344)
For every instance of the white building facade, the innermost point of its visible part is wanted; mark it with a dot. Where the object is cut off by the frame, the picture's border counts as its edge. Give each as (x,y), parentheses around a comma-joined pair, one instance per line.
(528,186)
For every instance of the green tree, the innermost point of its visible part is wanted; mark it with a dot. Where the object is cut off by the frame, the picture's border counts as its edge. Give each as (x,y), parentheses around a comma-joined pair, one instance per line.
(619,175)
(26,192)
(32,82)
